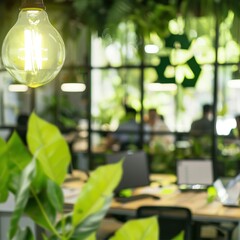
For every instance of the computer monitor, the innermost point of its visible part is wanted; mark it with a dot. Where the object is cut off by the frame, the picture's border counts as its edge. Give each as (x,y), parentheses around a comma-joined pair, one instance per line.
(194,173)
(135,169)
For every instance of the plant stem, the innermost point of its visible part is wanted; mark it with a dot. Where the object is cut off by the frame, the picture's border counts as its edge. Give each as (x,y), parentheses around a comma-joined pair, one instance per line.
(52,228)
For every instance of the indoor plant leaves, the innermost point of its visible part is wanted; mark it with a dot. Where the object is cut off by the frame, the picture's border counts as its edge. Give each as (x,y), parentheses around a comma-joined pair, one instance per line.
(146,228)
(22,197)
(4,173)
(90,201)
(53,155)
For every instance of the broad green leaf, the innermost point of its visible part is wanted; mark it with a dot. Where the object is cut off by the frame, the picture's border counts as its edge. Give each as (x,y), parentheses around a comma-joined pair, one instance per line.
(45,237)
(180,236)
(92,237)
(54,155)
(101,184)
(19,156)
(89,226)
(2,145)
(45,214)
(22,196)
(140,229)
(40,179)
(55,195)
(24,234)
(4,173)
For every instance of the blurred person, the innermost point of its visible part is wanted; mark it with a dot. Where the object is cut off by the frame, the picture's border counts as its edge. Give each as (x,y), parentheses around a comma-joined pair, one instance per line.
(201,134)
(158,128)
(127,134)
(204,125)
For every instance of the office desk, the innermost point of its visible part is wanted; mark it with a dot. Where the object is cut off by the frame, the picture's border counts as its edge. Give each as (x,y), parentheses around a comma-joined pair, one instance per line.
(196,201)
(171,196)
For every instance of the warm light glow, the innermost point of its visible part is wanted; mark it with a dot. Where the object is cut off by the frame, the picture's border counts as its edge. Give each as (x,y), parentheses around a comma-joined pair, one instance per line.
(158,87)
(33,52)
(151,48)
(73,87)
(17,88)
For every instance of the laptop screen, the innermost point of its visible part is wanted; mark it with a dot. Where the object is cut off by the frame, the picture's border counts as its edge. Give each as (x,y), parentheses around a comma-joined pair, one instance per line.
(135,169)
(192,172)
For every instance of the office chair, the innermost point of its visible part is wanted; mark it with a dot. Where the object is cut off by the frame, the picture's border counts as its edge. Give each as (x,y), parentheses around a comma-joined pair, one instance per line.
(172,220)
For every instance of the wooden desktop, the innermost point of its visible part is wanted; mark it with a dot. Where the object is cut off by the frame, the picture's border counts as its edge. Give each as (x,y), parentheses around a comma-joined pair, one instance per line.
(197,202)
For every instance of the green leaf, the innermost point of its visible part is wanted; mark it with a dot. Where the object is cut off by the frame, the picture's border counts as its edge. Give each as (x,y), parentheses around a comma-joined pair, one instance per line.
(145,229)
(54,155)
(22,196)
(24,234)
(92,237)
(101,184)
(19,156)
(4,173)
(2,145)
(55,195)
(45,238)
(45,214)
(88,227)
(180,236)
(40,179)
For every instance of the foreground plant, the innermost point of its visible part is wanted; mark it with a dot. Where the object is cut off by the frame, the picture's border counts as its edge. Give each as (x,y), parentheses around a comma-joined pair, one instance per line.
(34,174)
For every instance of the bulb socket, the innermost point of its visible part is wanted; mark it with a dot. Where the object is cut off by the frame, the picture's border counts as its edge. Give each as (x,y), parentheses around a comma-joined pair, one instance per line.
(32,4)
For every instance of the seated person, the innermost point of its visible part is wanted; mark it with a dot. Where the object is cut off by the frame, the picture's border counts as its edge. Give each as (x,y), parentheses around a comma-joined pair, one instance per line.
(204,125)
(158,128)
(127,134)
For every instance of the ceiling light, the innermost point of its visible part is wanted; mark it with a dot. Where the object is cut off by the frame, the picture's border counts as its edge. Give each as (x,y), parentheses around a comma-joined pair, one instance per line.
(17,88)
(73,87)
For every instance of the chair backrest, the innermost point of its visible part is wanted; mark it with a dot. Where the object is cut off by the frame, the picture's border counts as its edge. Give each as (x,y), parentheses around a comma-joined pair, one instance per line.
(172,220)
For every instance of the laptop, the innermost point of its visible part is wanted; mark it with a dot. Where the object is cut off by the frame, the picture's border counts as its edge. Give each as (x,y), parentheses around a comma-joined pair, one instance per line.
(194,174)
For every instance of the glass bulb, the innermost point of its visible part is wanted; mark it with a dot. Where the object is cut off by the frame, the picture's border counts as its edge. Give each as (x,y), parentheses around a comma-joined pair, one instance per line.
(33,51)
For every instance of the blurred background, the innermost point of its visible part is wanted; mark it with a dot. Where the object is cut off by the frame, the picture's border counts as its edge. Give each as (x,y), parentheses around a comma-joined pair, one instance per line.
(170,55)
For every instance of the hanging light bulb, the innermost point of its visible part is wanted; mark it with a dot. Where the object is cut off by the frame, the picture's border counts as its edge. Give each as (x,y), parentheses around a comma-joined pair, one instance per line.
(33,51)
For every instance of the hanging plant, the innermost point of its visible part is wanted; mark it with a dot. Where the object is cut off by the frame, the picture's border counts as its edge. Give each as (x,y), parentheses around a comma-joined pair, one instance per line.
(148,16)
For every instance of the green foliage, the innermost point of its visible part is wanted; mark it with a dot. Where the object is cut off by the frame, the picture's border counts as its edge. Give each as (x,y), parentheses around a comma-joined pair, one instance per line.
(4,175)
(180,236)
(34,174)
(44,139)
(90,201)
(35,179)
(109,14)
(146,229)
